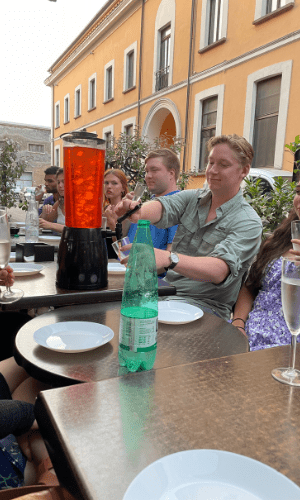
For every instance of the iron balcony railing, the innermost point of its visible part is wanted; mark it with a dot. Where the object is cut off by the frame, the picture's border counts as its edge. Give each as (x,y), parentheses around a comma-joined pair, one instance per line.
(162,78)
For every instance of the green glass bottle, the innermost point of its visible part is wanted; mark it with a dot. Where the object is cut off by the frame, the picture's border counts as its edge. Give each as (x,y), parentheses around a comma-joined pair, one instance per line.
(139,310)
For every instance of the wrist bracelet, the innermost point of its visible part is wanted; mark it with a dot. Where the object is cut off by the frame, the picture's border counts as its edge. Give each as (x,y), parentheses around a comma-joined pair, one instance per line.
(241,327)
(235,319)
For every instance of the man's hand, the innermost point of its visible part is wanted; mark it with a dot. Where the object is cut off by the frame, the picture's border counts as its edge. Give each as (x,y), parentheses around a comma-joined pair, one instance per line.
(124,206)
(6,276)
(44,224)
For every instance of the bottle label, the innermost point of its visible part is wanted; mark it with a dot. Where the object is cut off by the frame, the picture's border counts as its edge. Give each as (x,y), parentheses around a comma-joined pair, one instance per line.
(138,335)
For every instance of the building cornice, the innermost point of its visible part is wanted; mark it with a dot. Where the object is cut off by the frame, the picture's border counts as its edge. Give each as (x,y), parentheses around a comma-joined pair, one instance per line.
(24,125)
(90,38)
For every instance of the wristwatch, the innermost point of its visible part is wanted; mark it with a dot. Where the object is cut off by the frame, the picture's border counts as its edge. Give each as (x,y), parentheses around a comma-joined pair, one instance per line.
(174,261)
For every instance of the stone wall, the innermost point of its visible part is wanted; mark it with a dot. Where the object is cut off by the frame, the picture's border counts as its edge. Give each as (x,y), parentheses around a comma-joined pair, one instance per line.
(30,137)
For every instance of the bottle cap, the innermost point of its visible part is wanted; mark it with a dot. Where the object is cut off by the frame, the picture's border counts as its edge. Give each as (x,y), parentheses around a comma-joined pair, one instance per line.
(143,223)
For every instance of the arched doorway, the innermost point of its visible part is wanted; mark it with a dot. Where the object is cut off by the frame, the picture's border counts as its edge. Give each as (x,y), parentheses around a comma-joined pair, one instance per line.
(162,120)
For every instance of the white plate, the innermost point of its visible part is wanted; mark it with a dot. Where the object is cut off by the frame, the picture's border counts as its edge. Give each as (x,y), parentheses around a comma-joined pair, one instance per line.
(213,475)
(20,224)
(49,238)
(116,268)
(174,312)
(73,336)
(26,268)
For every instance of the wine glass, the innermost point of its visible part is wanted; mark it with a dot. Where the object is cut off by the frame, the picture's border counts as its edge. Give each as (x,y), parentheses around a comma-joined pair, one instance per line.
(290,297)
(8,296)
(138,191)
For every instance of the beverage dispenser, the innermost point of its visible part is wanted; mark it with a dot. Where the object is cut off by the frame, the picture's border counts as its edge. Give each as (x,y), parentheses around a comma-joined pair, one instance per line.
(82,255)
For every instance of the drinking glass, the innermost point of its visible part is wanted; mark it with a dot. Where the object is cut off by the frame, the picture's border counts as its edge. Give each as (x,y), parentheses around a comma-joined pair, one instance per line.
(7,296)
(138,191)
(117,246)
(296,233)
(290,297)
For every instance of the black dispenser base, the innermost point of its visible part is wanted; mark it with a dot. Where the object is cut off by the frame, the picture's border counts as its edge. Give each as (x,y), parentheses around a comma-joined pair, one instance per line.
(82,259)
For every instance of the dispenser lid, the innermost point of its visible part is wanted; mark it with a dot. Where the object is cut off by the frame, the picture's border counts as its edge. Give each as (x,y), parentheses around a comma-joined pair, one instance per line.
(83,137)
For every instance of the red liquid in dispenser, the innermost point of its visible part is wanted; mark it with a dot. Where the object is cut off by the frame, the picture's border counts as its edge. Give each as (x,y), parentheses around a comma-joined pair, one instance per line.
(84,173)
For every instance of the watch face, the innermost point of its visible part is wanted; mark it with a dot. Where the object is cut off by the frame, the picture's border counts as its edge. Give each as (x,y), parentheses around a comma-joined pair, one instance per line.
(174,258)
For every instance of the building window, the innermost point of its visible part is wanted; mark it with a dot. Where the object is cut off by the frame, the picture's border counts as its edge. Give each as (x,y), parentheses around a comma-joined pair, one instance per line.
(128,130)
(213,22)
(266,110)
(108,140)
(164,45)
(214,32)
(208,127)
(57,156)
(265,123)
(129,80)
(130,69)
(57,114)
(92,92)
(36,148)
(273,5)
(109,81)
(128,126)
(107,135)
(67,108)
(208,117)
(77,99)
(162,75)
(264,7)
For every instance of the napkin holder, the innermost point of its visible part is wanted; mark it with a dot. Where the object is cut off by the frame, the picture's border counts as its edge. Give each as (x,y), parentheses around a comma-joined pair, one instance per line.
(34,252)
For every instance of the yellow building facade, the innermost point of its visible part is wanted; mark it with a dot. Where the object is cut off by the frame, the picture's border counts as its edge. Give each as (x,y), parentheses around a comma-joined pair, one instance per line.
(188,68)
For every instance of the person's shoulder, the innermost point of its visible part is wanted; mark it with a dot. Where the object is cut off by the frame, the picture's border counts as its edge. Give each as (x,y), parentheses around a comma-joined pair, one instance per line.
(49,200)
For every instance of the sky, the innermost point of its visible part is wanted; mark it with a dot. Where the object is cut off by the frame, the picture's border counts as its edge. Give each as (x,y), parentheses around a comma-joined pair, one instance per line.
(33,34)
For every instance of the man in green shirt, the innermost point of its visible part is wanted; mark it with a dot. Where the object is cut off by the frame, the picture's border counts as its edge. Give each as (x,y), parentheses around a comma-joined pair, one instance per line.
(218,232)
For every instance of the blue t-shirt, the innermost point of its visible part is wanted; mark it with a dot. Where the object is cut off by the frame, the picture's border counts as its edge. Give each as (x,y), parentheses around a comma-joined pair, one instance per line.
(160,237)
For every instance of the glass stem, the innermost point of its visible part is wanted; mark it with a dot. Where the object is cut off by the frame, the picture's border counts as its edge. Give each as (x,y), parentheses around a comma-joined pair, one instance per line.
(293,353)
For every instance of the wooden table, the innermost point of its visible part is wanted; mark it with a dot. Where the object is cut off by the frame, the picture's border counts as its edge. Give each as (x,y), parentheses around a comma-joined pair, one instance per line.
(205,338)
(40,290)
(101,435)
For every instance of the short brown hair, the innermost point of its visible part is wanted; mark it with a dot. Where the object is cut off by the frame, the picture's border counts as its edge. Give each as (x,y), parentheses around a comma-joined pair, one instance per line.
(169,159)
(238,144)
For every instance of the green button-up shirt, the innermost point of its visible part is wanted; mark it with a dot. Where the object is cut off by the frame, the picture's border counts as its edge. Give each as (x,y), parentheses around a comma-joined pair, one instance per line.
(233,236)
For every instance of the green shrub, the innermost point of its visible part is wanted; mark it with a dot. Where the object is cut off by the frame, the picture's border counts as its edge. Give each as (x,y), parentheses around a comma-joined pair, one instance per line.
(272,207)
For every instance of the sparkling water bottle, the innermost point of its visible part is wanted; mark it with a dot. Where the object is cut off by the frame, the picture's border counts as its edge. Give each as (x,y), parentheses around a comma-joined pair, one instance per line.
(139,311)
(32,221)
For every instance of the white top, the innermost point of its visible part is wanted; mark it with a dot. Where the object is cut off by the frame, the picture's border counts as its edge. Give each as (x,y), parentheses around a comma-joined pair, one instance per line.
(60,217)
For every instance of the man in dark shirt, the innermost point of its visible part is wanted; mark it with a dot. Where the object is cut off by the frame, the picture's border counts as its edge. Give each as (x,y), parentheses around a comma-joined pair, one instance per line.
(50,186)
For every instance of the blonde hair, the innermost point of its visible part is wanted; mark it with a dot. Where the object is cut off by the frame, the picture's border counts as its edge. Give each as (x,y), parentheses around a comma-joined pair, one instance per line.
(238,144)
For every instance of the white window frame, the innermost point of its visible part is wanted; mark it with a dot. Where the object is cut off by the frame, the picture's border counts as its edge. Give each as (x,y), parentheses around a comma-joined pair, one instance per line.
(76,111)
(67,109)
(107,130)
(205,22)
(131,48)
(91,78)
(128,121)
(57,155)
(165,15)
(110,64)
(57,121)
(261,7)
(217,91)
(285,70)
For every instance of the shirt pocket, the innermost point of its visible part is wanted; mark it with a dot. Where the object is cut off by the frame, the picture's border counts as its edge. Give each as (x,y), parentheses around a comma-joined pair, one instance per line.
(211,239)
